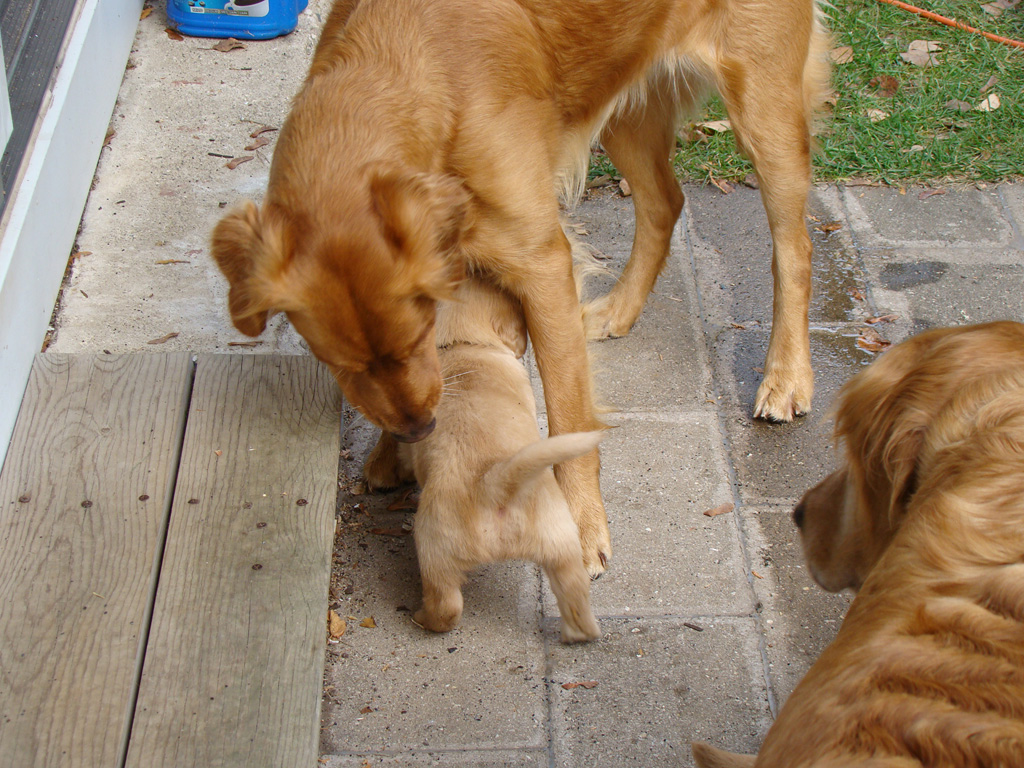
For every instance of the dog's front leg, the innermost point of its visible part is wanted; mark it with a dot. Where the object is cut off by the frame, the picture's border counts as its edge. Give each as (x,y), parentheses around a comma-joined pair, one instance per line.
(548,294)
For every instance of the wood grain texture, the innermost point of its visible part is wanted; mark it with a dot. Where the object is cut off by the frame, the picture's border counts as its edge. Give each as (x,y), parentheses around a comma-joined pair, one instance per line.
(84,497)
(234,666)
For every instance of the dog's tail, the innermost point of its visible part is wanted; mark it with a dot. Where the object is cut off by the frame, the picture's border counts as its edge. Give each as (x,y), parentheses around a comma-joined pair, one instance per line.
(515,475)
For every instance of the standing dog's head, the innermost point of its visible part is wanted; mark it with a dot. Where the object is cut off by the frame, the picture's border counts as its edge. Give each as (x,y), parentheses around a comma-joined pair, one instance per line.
(359,279)
(886,417)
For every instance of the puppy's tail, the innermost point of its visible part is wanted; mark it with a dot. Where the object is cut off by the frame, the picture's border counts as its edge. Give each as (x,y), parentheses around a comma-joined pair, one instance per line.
(515,475)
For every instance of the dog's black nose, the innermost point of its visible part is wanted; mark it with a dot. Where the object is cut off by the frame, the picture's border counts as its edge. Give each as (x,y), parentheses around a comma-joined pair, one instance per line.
(415,435)
(798,515)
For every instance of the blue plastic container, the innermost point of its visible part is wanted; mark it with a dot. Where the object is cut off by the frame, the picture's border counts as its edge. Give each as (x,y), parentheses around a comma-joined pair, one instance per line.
(240,19)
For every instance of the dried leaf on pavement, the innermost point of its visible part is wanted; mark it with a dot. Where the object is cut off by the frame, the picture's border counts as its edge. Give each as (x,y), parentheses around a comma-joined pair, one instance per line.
(368,623)
(871,341)
(721,509)
(229,44)
(882,319)
(930,193)
(237,161)
(163,339)
(336,625)
(587,684)
(259,141)
(174,34)
(261,129)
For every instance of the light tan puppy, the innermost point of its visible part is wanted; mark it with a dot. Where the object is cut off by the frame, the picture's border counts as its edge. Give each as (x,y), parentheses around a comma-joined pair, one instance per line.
(927,521)
(432,138)
(488,491)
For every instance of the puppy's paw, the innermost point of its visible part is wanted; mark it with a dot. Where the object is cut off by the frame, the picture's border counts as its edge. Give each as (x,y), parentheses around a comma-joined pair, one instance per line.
(603,320)
(435,622)
(383,469)
(580,627)
(782,397)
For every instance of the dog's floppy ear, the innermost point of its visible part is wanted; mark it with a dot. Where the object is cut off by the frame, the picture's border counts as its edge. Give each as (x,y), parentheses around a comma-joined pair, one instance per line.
(249,248)
(706,756)
(424,216)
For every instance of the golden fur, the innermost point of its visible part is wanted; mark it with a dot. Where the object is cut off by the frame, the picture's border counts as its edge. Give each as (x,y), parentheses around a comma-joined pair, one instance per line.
(431,138)
(488,492)
(927,521)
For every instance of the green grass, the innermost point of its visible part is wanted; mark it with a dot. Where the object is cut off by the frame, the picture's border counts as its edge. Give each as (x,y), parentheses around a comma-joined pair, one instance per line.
(922,140)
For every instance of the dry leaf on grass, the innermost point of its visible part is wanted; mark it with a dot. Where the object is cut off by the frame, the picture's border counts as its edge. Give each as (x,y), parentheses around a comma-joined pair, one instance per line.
(368,623)
(871,341)
(876,115)
(715,126)
(229,44)
(922,53)
(989,85)
(721,509)
(885,86)
(174,34)
(997,7)
(163,339)
(336,625)
(841,55)
(959,106)
(587,684)
(989,104)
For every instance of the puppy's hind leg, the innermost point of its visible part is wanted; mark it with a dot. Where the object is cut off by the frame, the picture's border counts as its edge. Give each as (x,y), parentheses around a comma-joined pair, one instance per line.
(441,576)
(571,584)
(639,139)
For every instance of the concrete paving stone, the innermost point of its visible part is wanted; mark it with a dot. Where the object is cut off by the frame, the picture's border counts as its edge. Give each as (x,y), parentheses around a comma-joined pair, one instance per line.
(933,293)
(776,463)
(479,759)
(1013,204)
(660,684)
(478,687)
(660,472)
(158,191)
(968,218)
(732,257)
(661,363)
(799,618)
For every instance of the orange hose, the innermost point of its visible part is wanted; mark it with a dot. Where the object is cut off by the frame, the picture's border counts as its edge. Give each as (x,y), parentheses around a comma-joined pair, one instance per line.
(953,23)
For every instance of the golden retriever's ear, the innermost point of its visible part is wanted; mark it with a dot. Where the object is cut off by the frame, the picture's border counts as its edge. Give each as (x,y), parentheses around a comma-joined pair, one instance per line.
(706,756)
(249,251)
(424,216)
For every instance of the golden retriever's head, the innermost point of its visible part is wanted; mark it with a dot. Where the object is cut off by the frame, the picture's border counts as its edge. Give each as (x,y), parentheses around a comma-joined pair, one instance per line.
(359,280)
(884,417)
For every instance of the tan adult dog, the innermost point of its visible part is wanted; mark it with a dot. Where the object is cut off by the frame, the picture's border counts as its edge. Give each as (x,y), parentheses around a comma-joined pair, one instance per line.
(431,137)
(927,521)
(488,492)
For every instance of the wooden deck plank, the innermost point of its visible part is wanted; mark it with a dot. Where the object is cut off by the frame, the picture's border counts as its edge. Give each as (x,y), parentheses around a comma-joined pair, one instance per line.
(84,497)
(234,666)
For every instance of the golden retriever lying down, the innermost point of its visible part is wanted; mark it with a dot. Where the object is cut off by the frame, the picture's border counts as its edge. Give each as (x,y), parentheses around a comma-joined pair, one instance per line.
(927,520)
(432,137)
(488,492)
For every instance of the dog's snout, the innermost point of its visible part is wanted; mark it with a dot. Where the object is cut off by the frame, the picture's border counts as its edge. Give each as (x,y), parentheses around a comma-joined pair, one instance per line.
(416,434)
(798,515)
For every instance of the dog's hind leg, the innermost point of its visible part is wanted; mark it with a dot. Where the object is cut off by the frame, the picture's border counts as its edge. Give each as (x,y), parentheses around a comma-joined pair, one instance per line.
(766,89)
(639,139)
(442,592)
(384,468)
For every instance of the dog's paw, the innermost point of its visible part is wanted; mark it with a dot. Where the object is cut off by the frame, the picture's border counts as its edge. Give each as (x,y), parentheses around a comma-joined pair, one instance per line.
(580,628)
(782,398)
(435,622)
(602,320)
(597,549)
